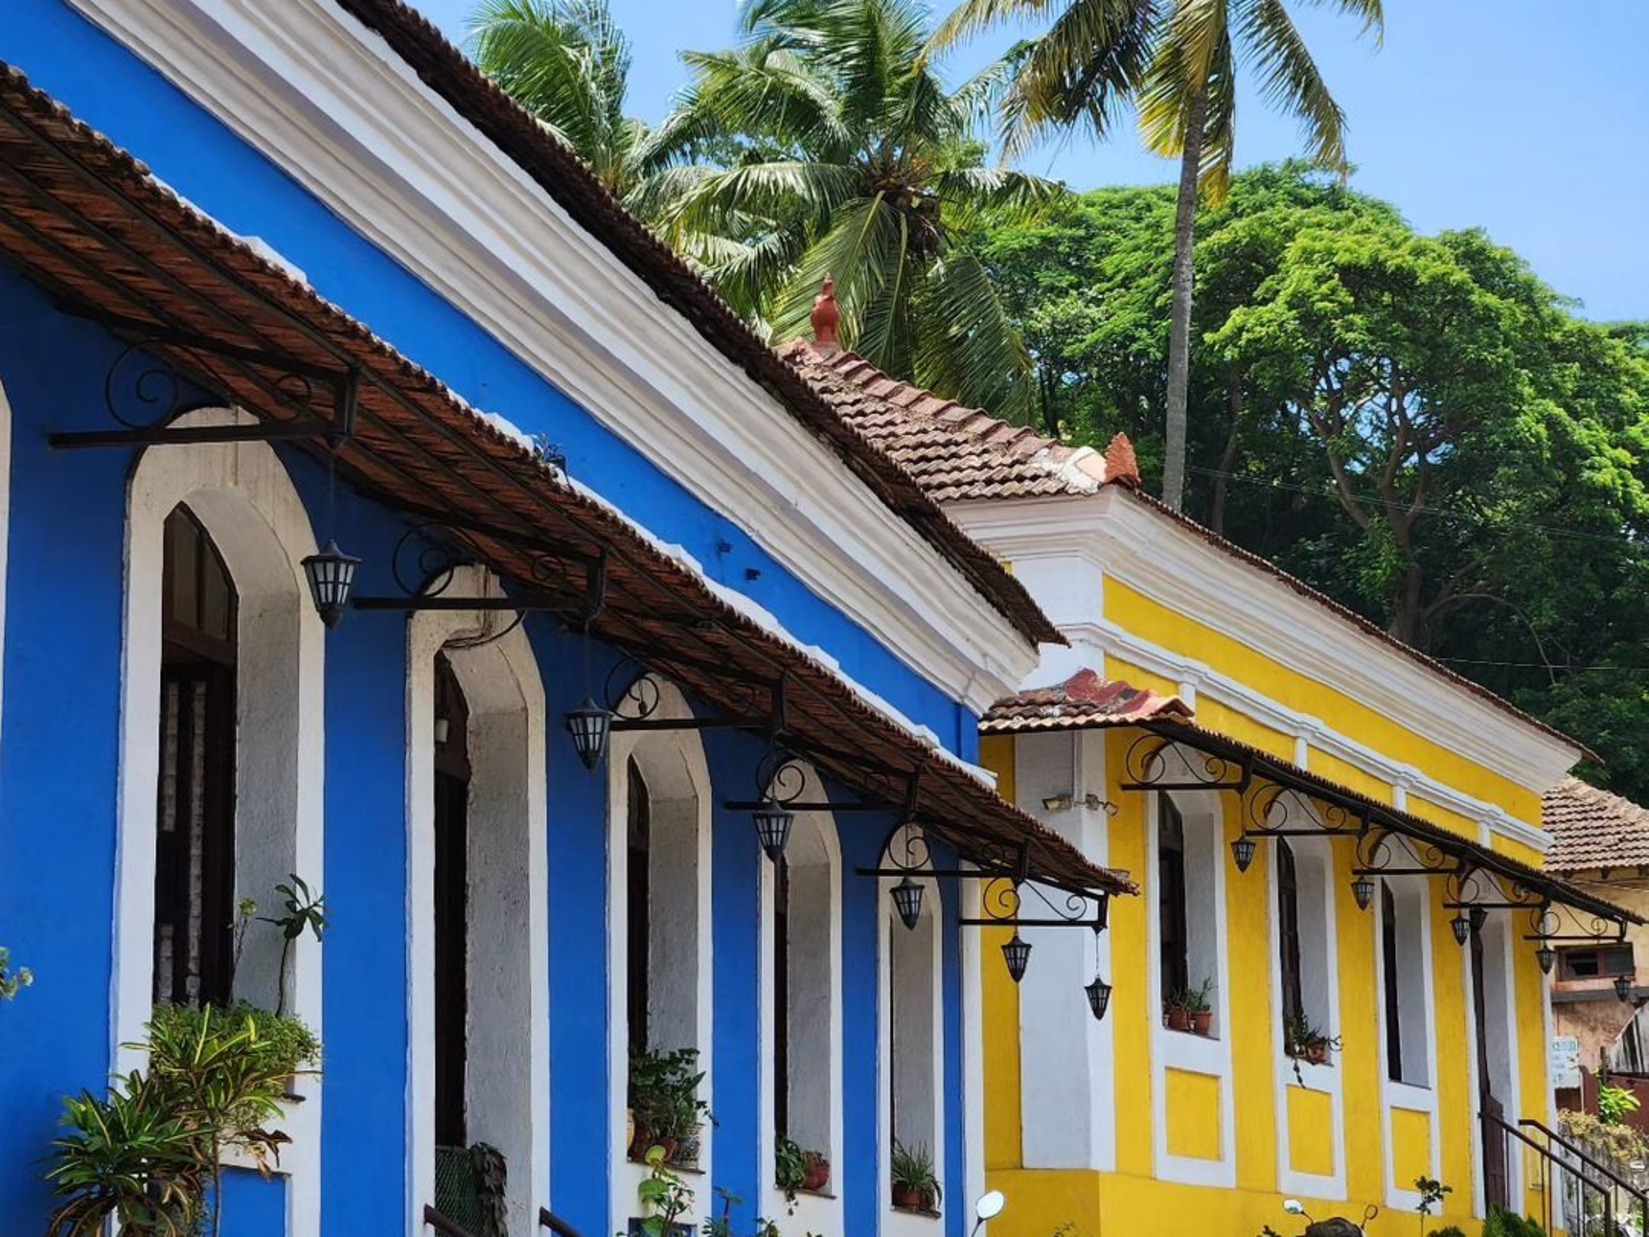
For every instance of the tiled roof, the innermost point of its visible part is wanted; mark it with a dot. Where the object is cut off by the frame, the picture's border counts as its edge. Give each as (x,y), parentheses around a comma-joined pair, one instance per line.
(955,452)
(961,453)
(1592,828)
(1084,701)
(564,177)
(85,220)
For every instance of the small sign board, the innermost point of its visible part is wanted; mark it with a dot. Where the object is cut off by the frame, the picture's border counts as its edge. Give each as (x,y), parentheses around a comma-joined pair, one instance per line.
(1565,1062)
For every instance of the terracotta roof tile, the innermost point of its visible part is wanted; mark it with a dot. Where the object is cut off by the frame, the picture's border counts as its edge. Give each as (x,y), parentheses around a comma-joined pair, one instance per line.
(955,452)
(1082,702)
(1592,828)
(985,457)
(568,182)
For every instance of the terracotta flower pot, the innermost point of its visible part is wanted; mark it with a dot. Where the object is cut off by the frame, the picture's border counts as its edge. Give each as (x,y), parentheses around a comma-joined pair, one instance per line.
(629,1131)
(1203,1022)
(1317,1054)
(816,1174)
(1179,1018)
(908,1199)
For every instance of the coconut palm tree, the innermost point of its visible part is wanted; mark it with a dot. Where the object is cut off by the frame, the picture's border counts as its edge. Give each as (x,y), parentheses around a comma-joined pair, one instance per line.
(1178,61)
(568,63)
(826,143)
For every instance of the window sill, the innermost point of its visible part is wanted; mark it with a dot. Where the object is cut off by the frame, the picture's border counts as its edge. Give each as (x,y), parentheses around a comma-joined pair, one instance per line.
(922,1213)
(1211,1037)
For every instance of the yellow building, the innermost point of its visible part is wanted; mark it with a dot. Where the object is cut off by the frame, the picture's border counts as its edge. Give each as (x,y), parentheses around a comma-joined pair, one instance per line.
(1332,837)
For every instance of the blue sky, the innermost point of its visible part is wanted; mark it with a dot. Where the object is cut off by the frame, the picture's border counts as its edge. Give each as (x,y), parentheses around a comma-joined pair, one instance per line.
(1529,118)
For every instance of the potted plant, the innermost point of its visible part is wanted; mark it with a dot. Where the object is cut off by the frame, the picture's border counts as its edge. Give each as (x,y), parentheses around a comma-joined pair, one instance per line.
(815,1171)
(664,1096)
(915,1188)
(1302,1041)
(1199,1008)
(789,1166)
(1176,1012)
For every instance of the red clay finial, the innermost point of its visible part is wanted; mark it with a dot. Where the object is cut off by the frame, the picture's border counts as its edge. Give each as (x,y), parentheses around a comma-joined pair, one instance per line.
(1120,464)
(826,315)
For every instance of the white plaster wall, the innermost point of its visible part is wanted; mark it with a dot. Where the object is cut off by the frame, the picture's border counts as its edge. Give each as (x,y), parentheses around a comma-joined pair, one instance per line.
(243,497)
(672,764)
(507,1085)
(1067,1079)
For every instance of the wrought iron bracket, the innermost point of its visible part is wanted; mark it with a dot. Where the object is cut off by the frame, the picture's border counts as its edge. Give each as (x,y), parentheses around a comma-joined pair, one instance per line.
(1146,768)
(157,388)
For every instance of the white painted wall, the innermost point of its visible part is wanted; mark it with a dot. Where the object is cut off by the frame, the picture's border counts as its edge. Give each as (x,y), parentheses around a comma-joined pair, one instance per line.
(507,1091)
(673,766)
(1067,1075)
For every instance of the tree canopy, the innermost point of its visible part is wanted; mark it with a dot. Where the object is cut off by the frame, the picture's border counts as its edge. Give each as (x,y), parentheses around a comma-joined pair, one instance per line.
(1415,424)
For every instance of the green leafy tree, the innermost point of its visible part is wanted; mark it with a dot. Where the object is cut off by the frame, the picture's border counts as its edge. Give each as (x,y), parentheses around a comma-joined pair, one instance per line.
(1500,479)
(568,63)
(1178,61)
(828,144)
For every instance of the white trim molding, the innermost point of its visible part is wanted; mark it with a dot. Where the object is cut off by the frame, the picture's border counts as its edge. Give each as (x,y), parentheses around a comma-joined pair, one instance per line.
(1111,534)
(338,111)
(241,494)
(1211,1057)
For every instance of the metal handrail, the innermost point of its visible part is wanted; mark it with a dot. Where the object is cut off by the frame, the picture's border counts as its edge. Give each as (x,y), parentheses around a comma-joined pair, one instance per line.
(548,1219)
(1491,1120)
(442,1225)
(1640,1195)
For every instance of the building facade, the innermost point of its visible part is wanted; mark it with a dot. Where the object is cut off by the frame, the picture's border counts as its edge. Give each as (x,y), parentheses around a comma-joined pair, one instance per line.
(631,611)
(1332,985)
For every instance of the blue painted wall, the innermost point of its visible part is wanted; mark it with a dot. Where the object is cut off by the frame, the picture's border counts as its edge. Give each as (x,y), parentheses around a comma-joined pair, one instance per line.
(58,785)
(105,85)
(60,716)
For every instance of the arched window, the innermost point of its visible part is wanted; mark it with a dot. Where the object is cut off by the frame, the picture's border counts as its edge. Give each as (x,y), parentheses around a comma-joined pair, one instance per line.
(638,939)
(805,950)
(1188,850)
(195,833)
(1288,932)
(452,919)
(913,1030)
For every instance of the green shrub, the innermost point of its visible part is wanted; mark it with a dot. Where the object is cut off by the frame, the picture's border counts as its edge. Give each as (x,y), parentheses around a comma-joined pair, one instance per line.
(1510,1224)
(1451,1231)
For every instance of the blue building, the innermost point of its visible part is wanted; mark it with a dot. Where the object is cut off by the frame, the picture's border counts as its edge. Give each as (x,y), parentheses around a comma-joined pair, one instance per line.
(283,276)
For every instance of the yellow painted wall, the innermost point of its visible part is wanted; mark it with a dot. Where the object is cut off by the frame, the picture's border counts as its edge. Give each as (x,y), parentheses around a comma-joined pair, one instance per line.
(1310,1131)
(1130,1202)
(1183,634)
(1193,1109)
(1410,1144)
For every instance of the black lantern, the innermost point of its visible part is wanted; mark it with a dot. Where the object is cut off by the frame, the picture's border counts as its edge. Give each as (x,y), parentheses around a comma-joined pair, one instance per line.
(1462,928)
(1099,998)
(773,821)
(331,575)
(590,724)
(1242,850)
(1623,987)
(1017,954)
(1363,890)
(907,900)
(1546,956)
(1479,917)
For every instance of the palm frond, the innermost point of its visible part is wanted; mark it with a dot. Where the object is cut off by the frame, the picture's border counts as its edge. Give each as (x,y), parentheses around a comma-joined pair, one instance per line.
(1290,80)
(970,193)
(968,348)
(806,193)
(1083,71)
(863,250)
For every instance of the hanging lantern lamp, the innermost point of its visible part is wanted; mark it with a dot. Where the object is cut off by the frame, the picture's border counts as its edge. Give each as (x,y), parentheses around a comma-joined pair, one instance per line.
(907,900)
(590,725)
(1242,851)
(1546,956)
(1017,954)
(773,821)
(1099,998)
(1362,889)
(1462,928)
(331,576)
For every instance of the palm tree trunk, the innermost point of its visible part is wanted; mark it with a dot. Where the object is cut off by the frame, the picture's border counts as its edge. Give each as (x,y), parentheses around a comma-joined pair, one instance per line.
(1179,327)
